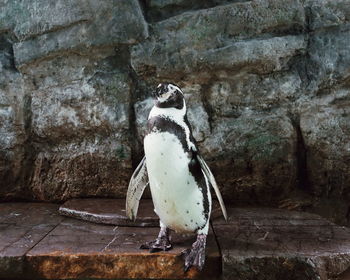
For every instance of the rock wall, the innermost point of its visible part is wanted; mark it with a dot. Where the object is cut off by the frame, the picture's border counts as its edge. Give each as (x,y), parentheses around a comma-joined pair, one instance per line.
(267,85)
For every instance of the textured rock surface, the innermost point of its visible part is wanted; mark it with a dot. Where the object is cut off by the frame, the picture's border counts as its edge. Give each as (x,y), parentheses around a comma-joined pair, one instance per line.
(84,24)
(279,244)
(202,40)
(87,103)
(267,85)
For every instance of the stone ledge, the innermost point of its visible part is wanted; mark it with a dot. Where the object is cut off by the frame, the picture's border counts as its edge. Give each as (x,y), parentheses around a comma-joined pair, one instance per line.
(67,248)
(283,245)
(22,226)
(260,243)
(76,249)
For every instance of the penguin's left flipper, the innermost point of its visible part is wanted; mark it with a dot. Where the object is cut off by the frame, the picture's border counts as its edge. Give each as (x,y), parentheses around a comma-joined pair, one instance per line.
(137,184)
(212,182)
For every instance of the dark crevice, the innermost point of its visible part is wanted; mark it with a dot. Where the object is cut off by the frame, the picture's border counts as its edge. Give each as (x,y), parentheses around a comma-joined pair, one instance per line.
(57,28)
(205,92)
(302,62)
(6,52)
(10,35)
(27,113)
(144,9)
(123,63)
(308,21)
(307,61)
(136,145)
(12,63)
(29,151)
(303,182)
(159,13)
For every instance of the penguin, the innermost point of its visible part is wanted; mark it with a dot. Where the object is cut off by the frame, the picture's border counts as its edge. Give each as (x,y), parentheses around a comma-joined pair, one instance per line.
(178,177)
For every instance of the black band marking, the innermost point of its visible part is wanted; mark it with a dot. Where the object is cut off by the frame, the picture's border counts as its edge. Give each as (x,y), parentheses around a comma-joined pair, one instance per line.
(196,171)
(162,124)
(190,128)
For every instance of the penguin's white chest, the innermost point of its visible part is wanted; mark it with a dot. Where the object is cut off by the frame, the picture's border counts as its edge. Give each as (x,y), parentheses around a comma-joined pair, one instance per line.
(177,198)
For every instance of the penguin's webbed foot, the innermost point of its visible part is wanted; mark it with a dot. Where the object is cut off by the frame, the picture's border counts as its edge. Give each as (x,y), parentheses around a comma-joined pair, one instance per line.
(162,243)
(196,255)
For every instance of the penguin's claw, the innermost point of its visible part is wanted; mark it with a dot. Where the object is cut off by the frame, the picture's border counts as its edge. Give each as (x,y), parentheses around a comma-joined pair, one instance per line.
(196,255)
(160,244)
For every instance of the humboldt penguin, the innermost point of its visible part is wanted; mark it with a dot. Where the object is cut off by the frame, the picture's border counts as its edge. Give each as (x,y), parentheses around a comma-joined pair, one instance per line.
(178,176)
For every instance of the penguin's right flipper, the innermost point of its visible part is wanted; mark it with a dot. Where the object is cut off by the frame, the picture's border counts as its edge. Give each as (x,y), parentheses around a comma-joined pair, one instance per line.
(211,179)
(137,184)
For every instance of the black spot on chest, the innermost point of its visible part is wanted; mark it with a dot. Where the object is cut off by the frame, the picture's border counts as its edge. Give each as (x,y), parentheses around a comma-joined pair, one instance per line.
(162,124)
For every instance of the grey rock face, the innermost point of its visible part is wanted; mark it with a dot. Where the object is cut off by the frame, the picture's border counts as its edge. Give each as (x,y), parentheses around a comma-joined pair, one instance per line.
(330,58)
(90,100)
(13,120)
(256,155)
(27,19)
(324,124)
(266,84)
(90,23)
(90,108)
(67,117)
(202,41)
(327,13)
(259,80)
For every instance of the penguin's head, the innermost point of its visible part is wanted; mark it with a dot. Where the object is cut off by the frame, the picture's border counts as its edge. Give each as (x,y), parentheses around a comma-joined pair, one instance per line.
(168,95)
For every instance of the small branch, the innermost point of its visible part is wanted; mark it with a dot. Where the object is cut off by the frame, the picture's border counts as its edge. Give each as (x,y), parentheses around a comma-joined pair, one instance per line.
(114,238)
